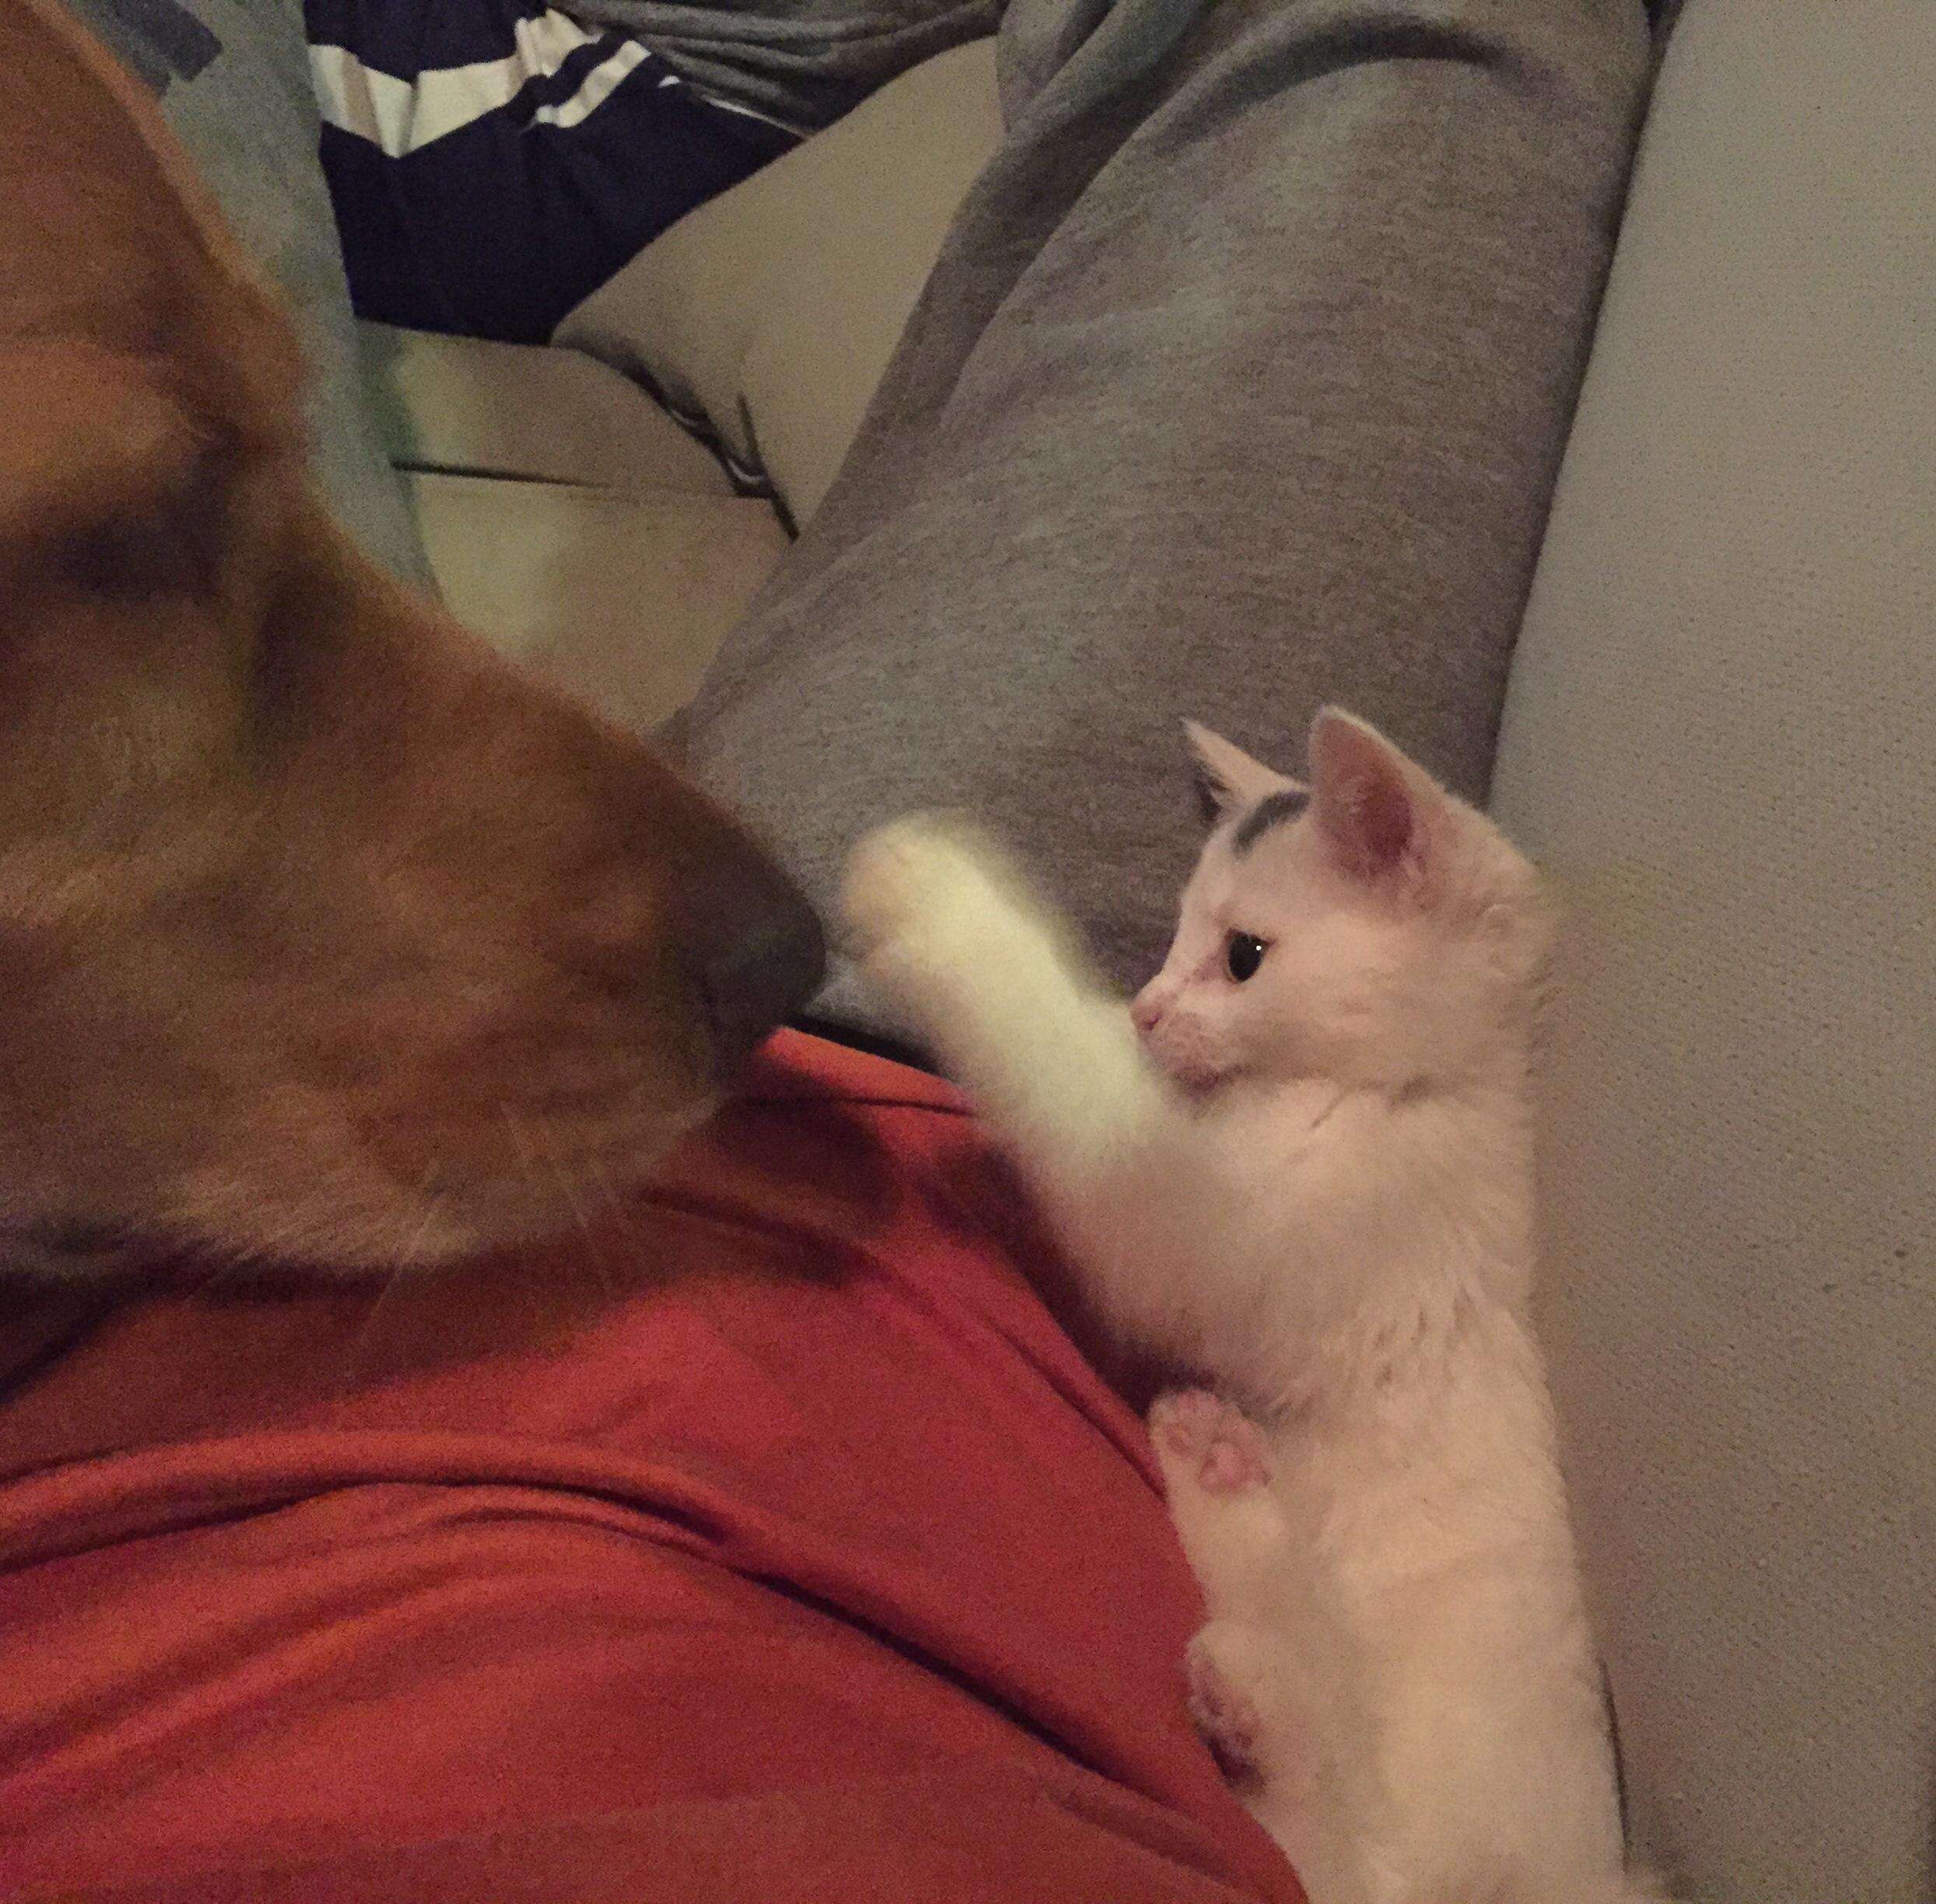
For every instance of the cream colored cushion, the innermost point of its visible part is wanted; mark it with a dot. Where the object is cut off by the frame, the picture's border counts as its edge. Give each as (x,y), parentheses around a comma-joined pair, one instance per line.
(1722,735)
(622,597)
(774,310)
(469,406)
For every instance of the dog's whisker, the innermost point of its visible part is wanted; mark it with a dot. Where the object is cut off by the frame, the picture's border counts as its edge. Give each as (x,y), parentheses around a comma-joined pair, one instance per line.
(531,1153)
(409,1258)
(226,1263)
(366,1330)
(570,1192)
(520,1142)
(622,1219)
(433,1203)
(534,1153)
(596,1174)
(595,1257)
(219,1273)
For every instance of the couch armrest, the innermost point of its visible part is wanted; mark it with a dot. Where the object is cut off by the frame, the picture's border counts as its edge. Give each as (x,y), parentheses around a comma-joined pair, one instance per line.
(622,597)
(1719,738)
(465,406)
(774,310)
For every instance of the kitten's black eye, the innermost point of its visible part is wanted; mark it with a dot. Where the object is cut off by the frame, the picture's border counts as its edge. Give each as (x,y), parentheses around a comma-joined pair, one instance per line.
(1244,954)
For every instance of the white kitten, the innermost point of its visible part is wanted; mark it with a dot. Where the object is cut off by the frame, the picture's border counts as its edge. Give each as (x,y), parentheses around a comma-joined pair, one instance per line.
(1310,1180)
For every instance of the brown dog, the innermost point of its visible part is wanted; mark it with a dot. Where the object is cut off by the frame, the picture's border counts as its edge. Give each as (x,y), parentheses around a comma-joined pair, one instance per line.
(325,936)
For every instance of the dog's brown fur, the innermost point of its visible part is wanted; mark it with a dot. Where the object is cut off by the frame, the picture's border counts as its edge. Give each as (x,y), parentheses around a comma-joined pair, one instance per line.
(324,936)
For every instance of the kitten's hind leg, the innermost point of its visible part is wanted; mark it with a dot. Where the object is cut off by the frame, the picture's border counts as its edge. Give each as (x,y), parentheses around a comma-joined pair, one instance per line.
(1275,1685)
(1227,1668)
(1217,1476)
(1266,1717)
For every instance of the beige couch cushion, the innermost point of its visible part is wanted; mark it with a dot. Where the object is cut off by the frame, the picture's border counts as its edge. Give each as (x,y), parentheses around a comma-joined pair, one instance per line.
(622,597)
(1721,734)
(471,408)
(774,309)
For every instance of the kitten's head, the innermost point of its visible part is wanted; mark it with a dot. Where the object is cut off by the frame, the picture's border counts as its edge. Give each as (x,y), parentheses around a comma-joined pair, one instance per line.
(1368,927)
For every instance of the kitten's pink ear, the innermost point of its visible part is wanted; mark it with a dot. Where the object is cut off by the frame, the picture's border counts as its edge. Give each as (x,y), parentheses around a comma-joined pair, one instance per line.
(1231,781)
(1375,809)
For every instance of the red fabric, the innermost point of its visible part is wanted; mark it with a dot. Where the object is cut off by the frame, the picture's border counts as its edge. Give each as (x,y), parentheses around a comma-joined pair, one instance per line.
(768,1542)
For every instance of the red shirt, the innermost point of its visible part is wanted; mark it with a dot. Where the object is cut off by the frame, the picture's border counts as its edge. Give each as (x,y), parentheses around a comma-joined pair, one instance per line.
(768,1542)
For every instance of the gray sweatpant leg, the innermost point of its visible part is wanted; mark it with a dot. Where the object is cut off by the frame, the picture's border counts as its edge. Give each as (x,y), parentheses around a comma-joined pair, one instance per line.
(1239,387)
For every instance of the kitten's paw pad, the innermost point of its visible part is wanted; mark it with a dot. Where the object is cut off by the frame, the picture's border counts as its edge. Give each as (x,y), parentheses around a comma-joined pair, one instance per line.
(1227,1720)
(1202,1439)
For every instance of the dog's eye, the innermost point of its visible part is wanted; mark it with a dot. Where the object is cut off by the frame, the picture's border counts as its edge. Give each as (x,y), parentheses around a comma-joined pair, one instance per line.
(1243,953)
(132,560)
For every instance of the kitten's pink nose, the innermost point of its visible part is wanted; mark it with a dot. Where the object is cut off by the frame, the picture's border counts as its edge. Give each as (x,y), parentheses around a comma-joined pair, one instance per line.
(1145,1010)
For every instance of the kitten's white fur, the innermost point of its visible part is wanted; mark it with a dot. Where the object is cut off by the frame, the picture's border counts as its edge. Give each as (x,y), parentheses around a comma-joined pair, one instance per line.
(1314,1187)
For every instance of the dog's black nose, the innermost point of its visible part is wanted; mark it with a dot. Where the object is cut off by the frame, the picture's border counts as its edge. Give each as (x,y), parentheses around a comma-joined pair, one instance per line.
(758,955)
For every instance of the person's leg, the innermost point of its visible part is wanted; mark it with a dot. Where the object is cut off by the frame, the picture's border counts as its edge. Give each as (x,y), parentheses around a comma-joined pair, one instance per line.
(492,163)
(1239,387)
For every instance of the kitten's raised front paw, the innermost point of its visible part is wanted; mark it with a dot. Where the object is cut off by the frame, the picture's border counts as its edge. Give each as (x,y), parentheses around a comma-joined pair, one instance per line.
(948,934)
(917,878)
(1203,1439)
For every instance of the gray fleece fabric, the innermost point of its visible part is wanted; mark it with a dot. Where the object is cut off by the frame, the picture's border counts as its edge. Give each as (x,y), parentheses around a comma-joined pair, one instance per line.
(1239,387)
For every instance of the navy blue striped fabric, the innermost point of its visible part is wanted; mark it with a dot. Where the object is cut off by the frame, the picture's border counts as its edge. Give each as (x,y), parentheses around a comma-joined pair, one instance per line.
(564,84)
(497,226)
(404,41)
